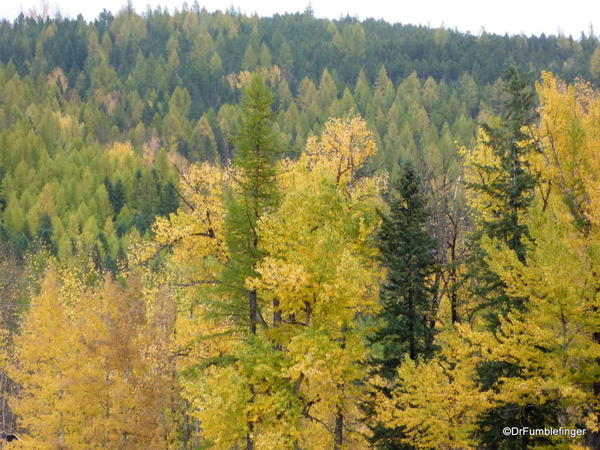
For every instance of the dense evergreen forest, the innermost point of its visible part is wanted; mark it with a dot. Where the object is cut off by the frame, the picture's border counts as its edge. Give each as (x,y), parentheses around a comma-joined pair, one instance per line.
(227,231)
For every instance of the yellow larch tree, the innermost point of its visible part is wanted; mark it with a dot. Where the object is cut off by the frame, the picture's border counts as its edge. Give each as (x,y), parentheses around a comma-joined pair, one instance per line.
(322,268)
(552,340)
(437,402)
(93,366)
(44,361)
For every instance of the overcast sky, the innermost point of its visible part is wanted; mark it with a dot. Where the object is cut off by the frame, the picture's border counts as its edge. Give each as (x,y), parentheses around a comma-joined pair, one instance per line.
(497,16)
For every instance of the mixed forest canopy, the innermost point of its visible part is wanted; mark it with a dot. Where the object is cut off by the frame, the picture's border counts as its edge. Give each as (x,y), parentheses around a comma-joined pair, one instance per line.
(80,98)
(229,231)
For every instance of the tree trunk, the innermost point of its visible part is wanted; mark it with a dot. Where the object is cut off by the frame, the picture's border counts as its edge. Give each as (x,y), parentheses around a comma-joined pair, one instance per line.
(411,328)
(253,307)
(339,429)
(276,313)
(594,438)
(250,436)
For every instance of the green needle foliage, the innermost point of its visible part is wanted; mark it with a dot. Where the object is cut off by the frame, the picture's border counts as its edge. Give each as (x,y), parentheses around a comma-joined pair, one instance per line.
(407,250)
(253,193)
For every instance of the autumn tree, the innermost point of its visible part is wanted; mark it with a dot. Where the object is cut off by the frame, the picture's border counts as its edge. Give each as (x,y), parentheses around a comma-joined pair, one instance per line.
(436,402)
(552,340)
(321,266)
(93,366)
(254,191)
(253,195)
(500,188)
(13,290)
(297,378)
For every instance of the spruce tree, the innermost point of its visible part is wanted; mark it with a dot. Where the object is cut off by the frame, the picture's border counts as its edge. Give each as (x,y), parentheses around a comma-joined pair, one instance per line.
(407,315)
(504,193)
(45,234)
(117,197)
(513,186)
(506,200)
(407,251)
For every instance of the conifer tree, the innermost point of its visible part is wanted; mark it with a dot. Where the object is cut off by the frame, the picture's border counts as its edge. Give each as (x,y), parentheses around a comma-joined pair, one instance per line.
(408,310)
(169,201)
(513,146)
(407,250)
(501,184)
(45,233)
(254,193)
(544,356)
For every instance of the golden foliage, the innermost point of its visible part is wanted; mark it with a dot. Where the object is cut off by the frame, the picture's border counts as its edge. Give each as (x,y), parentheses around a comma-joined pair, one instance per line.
(552,341)
(93,368)
(319,271)
(437,401)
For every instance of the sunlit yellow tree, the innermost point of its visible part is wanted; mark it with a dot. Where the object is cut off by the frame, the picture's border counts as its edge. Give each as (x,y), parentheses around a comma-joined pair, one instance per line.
(437,402)
(552,340)
(318,275)
(322,267)
(93,367)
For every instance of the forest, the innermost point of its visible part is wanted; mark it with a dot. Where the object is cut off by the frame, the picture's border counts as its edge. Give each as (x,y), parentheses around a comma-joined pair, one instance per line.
(239,232)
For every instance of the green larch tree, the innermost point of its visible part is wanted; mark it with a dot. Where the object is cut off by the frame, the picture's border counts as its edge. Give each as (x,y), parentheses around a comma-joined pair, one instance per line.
(254,193)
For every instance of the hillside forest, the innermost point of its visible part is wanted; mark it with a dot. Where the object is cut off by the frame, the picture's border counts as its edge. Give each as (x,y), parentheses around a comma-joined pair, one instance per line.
(239,232)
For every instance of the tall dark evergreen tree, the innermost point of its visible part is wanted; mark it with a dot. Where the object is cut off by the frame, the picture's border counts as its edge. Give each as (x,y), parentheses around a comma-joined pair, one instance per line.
(510,193)
(513,187)
(45,233)
(407,315)
(510,196)
(117,197)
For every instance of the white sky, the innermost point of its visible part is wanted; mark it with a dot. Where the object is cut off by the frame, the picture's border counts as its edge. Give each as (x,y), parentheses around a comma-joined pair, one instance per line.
(496,16)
